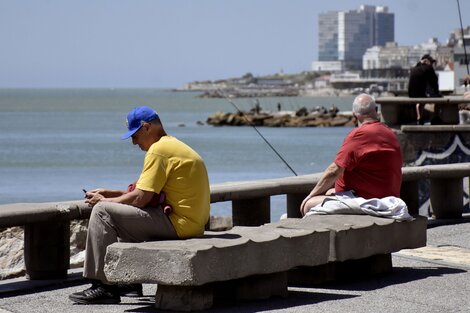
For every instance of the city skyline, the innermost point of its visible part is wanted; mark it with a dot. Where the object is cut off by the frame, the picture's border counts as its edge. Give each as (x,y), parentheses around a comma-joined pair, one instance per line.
(165,44)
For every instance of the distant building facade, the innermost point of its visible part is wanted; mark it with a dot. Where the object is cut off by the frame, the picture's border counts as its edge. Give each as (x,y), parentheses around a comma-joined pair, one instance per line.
(344,36)
(393,56)
(461,66)
(327,66)
(379,61)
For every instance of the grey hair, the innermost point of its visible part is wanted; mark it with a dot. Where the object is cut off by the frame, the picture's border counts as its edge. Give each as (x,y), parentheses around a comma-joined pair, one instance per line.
(364,104)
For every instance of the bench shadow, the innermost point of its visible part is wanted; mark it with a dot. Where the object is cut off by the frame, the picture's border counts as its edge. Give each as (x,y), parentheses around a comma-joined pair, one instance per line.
(294,299)
(399,275)
(308,296)
(432,223)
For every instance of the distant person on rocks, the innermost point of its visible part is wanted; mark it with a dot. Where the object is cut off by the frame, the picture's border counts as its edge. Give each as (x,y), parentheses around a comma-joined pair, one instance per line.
(257,107)
(423,83)
(171,168)
(368,164)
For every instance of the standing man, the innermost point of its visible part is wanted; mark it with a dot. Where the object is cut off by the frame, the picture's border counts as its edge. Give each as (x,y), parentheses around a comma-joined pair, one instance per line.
(170,167)
(423,83)
(368,162)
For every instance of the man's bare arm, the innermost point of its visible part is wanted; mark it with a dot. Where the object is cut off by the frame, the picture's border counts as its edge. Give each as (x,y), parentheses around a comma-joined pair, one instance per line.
(326,182)
(138,198)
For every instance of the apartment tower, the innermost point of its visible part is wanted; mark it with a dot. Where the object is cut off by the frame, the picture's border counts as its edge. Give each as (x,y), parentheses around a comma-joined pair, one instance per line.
(344,36)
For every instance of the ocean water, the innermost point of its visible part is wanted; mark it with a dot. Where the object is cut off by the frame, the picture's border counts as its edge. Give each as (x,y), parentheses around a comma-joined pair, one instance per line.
(54,142)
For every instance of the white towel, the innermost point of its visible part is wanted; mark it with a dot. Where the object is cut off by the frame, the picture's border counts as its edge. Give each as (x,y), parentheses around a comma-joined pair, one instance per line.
(347,203)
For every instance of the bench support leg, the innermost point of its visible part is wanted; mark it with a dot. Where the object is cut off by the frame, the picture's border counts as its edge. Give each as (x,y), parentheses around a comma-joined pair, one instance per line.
(251,212)
(410,194)
(47,250)
(294,200)
(446,197)
(333,271)
(254,287)
(195,298)
(184,298)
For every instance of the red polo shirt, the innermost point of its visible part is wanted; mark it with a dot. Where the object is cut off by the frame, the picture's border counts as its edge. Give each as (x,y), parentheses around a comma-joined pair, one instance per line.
(372,161)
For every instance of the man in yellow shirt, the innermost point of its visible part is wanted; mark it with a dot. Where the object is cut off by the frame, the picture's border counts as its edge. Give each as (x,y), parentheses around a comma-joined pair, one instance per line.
(171,168)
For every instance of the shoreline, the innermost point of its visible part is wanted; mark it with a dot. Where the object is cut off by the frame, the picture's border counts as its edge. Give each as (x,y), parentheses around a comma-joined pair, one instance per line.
(234,93)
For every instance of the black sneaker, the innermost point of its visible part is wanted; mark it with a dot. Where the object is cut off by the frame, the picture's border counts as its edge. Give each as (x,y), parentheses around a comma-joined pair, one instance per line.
(97,294)
(94,285)
(130,290)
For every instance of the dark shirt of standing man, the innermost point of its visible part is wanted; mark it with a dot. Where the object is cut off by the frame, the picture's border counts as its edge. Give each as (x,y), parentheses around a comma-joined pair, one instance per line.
(424,83)
(423,79)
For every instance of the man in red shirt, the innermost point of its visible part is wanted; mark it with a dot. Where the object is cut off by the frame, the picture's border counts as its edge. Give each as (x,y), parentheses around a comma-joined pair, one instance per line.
(368,162)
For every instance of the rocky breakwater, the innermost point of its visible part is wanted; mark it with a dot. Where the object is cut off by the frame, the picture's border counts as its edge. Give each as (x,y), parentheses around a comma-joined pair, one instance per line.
(251,93)
(318,117)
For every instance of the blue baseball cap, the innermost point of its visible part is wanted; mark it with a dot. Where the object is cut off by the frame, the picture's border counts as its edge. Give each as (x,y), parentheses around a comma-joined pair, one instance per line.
(136,118)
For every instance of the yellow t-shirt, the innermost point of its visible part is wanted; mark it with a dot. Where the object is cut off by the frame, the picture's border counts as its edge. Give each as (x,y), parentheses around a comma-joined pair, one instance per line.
(173,167)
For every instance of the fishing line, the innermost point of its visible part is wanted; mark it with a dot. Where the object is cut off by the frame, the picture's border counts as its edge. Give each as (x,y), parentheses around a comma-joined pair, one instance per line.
(463,41)
(256,129)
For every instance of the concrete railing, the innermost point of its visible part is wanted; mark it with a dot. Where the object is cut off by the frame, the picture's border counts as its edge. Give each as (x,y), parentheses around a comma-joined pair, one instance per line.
(251,200)
(402,110)
(47,225)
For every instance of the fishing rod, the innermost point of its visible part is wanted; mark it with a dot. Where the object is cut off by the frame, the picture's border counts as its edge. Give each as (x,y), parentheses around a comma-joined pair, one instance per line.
(256,129)
(463,41)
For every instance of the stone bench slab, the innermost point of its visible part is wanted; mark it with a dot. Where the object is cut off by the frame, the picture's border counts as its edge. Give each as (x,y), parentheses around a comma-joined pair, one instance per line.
(218,256)
(361,236)
(271,248)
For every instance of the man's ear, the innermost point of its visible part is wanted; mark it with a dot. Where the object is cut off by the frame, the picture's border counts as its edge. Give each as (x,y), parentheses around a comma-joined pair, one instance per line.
(146,126)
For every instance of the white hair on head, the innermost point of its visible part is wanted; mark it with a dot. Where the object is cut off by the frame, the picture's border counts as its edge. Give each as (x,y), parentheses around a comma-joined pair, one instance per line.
(364,104)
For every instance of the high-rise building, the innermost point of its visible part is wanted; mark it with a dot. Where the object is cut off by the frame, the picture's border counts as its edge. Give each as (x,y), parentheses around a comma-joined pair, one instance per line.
(344,36)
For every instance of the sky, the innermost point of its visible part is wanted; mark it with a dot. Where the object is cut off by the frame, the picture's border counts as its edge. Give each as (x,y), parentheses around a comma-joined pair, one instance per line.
(167,43)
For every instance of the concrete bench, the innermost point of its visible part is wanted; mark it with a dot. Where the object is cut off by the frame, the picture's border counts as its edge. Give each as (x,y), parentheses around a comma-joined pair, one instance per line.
(254,262)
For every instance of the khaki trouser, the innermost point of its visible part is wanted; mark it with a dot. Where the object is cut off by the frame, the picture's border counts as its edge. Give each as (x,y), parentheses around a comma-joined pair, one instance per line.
(112,222)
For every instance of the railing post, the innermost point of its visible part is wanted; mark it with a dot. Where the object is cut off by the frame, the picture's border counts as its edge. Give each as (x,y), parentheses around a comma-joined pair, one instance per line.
(47,249)
(251,212)
(294,200)
(449,114)
(397,114)
(389,113)
(447,197)
(410,194)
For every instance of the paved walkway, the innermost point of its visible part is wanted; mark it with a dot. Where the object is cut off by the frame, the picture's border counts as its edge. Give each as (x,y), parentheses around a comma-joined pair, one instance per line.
(431,279)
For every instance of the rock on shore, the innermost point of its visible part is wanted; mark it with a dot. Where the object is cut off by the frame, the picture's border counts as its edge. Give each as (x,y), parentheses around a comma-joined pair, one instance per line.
(12,245)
